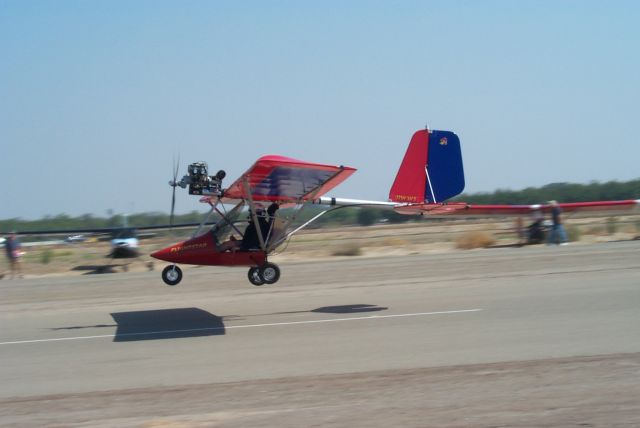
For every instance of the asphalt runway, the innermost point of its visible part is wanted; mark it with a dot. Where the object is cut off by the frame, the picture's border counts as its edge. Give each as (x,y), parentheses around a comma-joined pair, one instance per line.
(534,336)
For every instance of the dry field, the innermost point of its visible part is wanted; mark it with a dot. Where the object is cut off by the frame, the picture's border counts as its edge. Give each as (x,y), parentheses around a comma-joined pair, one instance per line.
(423,237)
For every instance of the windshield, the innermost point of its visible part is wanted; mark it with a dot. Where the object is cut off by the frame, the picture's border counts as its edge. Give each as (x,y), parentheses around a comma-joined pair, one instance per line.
(223,228)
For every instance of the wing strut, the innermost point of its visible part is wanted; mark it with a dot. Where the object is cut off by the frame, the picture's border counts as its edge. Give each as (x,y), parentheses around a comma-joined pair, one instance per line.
(317,216)
(230,223)
(252,211)
(312,194)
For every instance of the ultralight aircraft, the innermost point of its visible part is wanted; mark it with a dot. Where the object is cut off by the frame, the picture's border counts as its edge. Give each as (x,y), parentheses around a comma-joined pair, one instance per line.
(430,174)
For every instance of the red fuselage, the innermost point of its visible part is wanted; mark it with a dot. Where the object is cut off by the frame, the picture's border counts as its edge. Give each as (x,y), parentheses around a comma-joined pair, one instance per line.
(202,250)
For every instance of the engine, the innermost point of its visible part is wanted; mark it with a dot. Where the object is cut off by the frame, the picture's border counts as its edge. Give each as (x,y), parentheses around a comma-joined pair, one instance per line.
(200,182)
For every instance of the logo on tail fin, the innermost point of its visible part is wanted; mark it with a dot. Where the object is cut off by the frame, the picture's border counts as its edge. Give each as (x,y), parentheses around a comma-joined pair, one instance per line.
(406,198)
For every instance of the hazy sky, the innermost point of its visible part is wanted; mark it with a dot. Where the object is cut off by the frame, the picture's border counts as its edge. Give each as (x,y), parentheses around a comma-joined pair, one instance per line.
(96,97)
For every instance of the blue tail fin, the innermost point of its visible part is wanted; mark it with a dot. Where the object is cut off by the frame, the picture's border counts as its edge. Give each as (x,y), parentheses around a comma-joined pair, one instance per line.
(445,173)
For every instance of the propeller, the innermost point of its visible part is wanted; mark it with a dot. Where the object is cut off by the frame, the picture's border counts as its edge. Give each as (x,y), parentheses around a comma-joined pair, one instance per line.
(173,183)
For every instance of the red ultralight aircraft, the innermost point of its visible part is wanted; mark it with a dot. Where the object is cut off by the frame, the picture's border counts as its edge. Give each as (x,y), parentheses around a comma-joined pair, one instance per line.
(430,174)
(271,180)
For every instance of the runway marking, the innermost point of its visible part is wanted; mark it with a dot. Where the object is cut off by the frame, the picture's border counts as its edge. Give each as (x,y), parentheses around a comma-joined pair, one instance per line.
(274,324)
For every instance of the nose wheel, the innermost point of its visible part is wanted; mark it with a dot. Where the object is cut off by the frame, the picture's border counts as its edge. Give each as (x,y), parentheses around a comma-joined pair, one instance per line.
(172,275)
(268,273)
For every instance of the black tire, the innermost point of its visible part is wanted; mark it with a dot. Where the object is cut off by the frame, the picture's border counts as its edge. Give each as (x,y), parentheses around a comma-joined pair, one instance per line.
(254,276)
(270,273)
(172,275)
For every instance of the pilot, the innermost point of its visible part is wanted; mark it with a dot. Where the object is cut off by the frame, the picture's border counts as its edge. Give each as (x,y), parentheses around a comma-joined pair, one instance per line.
(250,240)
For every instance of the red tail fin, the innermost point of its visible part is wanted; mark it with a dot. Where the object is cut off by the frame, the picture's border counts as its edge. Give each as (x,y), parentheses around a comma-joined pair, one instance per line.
(411,179)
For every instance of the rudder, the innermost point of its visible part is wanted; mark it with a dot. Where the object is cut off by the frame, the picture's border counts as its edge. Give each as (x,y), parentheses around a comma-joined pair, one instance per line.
(431,171)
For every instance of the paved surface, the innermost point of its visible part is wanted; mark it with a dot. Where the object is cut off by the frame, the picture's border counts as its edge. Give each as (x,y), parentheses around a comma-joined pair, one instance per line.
(538,336)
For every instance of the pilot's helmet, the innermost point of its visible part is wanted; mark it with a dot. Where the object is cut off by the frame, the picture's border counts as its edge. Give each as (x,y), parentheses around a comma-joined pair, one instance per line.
(272,209)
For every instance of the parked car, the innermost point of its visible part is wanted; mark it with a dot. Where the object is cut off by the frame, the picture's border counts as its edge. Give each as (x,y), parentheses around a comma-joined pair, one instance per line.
(75,238)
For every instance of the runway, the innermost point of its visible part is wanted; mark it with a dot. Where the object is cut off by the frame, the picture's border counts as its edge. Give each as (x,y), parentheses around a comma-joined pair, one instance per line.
(454,339)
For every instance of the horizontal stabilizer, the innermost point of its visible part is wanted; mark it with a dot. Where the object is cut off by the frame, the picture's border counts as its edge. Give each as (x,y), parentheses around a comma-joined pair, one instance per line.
(473,210)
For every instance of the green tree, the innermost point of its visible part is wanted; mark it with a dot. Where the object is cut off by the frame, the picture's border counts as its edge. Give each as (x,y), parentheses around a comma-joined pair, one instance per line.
(368,216)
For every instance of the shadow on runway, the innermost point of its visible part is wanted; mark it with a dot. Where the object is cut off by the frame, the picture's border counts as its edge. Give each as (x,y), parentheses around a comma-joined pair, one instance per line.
(166,324)
(341,309)
(96,269)
(349,309)
(78,327)
(510,245)
(193,322)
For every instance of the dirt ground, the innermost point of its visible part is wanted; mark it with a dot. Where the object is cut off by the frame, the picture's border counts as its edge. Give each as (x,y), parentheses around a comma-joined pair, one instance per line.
(596,391)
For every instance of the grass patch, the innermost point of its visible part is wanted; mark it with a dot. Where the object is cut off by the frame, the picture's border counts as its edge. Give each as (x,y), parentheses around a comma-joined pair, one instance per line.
(90,256)
(348,250)
(395,242)
(46,256)
(475,239)
(574,234)
(64,253)
(596,230)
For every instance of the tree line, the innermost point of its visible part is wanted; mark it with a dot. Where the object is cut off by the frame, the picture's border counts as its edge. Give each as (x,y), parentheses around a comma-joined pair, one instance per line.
(562,192)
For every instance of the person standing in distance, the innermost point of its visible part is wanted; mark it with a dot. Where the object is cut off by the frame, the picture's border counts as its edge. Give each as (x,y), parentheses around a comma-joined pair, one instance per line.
(14,251)
(557,235)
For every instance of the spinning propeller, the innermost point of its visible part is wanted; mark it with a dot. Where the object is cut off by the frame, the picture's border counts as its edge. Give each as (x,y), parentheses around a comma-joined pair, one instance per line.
(173,183)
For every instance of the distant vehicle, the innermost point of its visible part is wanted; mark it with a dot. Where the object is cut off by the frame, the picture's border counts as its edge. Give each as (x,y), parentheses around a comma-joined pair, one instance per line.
(123,240)
(124,243)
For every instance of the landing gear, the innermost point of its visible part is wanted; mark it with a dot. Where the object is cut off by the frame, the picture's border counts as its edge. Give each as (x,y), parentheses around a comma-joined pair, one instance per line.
(268,273)
(254,276)
(172,275)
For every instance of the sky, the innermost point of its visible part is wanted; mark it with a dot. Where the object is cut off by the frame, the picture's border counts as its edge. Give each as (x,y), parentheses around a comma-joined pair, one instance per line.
(97,98)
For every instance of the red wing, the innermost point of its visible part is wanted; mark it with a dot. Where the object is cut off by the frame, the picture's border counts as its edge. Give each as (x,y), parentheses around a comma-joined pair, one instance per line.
(471,210)
(282,179)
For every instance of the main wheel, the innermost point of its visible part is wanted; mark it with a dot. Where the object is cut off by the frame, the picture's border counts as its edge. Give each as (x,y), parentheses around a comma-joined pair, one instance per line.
(172,275)
(254,276)
(270,273)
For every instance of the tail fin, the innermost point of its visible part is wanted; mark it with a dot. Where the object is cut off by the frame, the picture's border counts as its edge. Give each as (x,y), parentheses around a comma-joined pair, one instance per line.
(431,170)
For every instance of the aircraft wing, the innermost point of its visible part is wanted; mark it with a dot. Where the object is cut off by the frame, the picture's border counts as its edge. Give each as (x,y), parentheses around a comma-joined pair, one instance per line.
(473,210)
(286,180)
